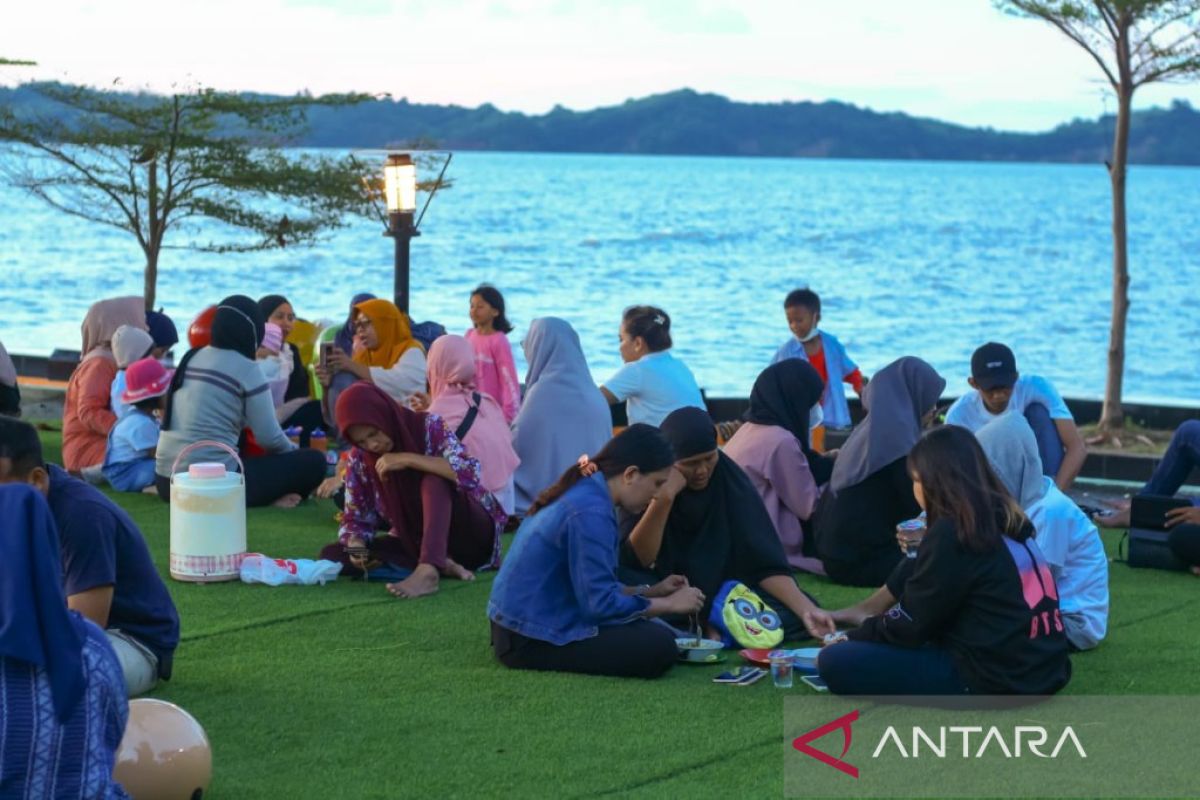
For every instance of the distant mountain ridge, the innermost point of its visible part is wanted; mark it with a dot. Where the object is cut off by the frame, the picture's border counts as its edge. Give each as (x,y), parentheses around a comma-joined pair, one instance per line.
(686,122)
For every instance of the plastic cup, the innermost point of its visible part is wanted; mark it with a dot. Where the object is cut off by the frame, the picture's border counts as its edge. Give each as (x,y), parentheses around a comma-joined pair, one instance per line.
(781,670)
(911,532)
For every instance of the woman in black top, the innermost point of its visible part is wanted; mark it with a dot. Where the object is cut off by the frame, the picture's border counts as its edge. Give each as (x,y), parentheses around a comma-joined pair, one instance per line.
(869,492)
(977,609)
(709,524)
(299,409)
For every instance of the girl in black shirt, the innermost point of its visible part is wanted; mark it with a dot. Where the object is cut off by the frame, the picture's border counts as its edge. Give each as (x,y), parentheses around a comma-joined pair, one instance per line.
(977,610)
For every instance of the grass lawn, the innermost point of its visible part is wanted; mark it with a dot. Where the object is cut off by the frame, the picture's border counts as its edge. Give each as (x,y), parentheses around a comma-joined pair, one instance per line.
(343,691)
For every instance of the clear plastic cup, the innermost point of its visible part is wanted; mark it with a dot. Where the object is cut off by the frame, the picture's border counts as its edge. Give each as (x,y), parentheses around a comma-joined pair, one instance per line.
(782,668)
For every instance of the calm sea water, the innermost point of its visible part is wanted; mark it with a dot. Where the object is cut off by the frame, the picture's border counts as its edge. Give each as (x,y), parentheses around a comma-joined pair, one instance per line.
(909,258)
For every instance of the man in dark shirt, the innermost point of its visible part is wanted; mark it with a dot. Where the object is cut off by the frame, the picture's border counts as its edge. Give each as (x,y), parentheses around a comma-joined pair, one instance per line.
(108,575)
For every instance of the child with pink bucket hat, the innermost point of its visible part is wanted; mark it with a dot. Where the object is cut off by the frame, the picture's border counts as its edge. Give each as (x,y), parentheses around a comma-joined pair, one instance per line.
(133,441)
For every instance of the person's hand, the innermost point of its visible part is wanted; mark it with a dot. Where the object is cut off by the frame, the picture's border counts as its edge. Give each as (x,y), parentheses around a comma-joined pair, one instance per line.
(671,489)
(667,586)
(324,375)
(906,538)
(819,622)
(851,617)
(336,360)
(1188,515)
(263,352)
(687,600)
(329,487)
(393,462)
(419,401)
(832,453)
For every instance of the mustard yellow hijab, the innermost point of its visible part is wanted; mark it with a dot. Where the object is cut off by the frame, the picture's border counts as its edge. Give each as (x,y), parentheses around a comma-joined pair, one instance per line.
(392,328)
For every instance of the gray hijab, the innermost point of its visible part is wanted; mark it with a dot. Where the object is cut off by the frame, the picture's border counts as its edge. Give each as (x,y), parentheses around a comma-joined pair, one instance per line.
(563,414)
(1012,450)
(895,400)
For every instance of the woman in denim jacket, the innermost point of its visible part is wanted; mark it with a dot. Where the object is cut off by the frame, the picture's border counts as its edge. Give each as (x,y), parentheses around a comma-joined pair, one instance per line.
(556,603)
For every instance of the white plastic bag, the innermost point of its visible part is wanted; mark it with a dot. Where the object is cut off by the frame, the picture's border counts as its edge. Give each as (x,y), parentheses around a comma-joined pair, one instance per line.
(257,568)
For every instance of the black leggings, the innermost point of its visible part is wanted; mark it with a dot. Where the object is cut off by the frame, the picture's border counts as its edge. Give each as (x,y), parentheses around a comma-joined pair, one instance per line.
(638,649)
(269,478)
(1185,544)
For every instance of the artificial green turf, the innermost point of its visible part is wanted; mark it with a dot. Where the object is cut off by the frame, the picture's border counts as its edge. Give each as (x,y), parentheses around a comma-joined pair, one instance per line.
(343,691)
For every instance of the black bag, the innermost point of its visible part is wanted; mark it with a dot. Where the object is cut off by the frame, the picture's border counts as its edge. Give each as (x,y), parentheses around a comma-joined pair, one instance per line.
(1148,548)
(1147,542)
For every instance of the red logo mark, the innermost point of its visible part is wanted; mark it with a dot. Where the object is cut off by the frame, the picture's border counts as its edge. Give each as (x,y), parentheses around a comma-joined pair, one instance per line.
(802,743)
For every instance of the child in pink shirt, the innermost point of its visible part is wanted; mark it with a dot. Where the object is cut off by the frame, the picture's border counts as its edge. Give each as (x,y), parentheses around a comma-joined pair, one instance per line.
(495,371)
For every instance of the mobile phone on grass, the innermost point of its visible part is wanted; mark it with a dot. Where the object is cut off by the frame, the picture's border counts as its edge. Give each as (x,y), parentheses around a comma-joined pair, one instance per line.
(752,676)
(815,682)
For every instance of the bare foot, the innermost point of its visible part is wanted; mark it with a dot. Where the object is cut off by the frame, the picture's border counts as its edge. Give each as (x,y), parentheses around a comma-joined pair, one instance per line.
(455,570)
(150,490)
(287,501)
(1117,519)
(1196,571)
(423,581)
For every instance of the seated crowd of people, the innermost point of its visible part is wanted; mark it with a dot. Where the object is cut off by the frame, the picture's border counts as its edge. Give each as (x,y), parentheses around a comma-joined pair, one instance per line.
(626,538)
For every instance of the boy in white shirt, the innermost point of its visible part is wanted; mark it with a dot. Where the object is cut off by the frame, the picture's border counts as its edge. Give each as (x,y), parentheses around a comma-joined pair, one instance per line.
(1000,388)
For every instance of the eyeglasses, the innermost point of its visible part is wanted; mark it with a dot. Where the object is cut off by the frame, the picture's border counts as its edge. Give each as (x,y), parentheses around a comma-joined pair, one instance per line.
(362,324)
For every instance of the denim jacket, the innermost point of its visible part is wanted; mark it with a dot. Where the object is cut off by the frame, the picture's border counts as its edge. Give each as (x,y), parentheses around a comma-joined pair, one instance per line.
(558,582)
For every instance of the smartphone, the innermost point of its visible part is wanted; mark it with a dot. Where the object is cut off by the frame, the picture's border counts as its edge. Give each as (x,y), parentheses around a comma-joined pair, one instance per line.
(326,350)
(815,682)
(752,676)
(735,675)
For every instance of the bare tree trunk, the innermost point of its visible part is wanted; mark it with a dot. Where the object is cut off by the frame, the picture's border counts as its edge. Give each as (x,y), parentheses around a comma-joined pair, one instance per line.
(150,289)
(1112,417)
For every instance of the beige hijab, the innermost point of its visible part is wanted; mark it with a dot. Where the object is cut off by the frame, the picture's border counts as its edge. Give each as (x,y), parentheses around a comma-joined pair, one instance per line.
(103,319)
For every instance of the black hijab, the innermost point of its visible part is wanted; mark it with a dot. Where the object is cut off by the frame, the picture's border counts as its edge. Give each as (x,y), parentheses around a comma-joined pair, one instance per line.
(237,326)
(782,396)
(268,303)
(722,532)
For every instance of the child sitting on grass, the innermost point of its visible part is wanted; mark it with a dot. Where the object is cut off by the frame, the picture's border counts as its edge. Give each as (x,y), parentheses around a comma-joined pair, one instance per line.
(133,441)
(826,354)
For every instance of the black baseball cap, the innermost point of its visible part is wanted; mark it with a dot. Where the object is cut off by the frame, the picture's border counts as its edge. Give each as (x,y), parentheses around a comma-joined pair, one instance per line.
(993,366)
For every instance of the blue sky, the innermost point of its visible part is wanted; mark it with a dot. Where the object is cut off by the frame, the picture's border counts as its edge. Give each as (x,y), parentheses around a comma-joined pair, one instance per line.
(959,60)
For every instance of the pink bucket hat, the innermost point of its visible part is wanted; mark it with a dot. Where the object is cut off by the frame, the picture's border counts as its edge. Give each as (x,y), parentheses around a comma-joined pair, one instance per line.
(273,337)
(144,380)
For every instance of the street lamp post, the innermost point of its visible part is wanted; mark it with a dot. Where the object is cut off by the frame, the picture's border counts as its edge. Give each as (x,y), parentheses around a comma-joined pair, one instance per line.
(400,187)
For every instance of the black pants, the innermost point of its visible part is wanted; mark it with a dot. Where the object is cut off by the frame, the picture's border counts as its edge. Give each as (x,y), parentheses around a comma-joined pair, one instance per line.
(269,478)
(639,649)
(1185,544)
(873,573)
(308,418)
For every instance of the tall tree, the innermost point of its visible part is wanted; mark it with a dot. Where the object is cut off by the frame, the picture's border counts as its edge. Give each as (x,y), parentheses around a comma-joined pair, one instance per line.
(1134,42)
(152,164)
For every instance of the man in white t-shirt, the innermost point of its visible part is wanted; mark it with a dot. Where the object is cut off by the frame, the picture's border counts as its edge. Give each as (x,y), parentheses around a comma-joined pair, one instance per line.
(999,388)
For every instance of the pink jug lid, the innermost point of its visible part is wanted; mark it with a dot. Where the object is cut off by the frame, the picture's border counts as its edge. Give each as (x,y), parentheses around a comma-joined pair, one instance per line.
(207,470)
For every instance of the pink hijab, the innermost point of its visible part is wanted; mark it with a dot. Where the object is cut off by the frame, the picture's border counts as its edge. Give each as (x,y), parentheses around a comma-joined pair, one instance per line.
(102,321)
(451,370)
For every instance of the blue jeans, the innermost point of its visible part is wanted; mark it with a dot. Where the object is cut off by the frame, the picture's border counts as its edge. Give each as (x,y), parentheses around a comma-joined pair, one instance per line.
(1050,444)
(873,668)
(1183,454)
(130,476)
